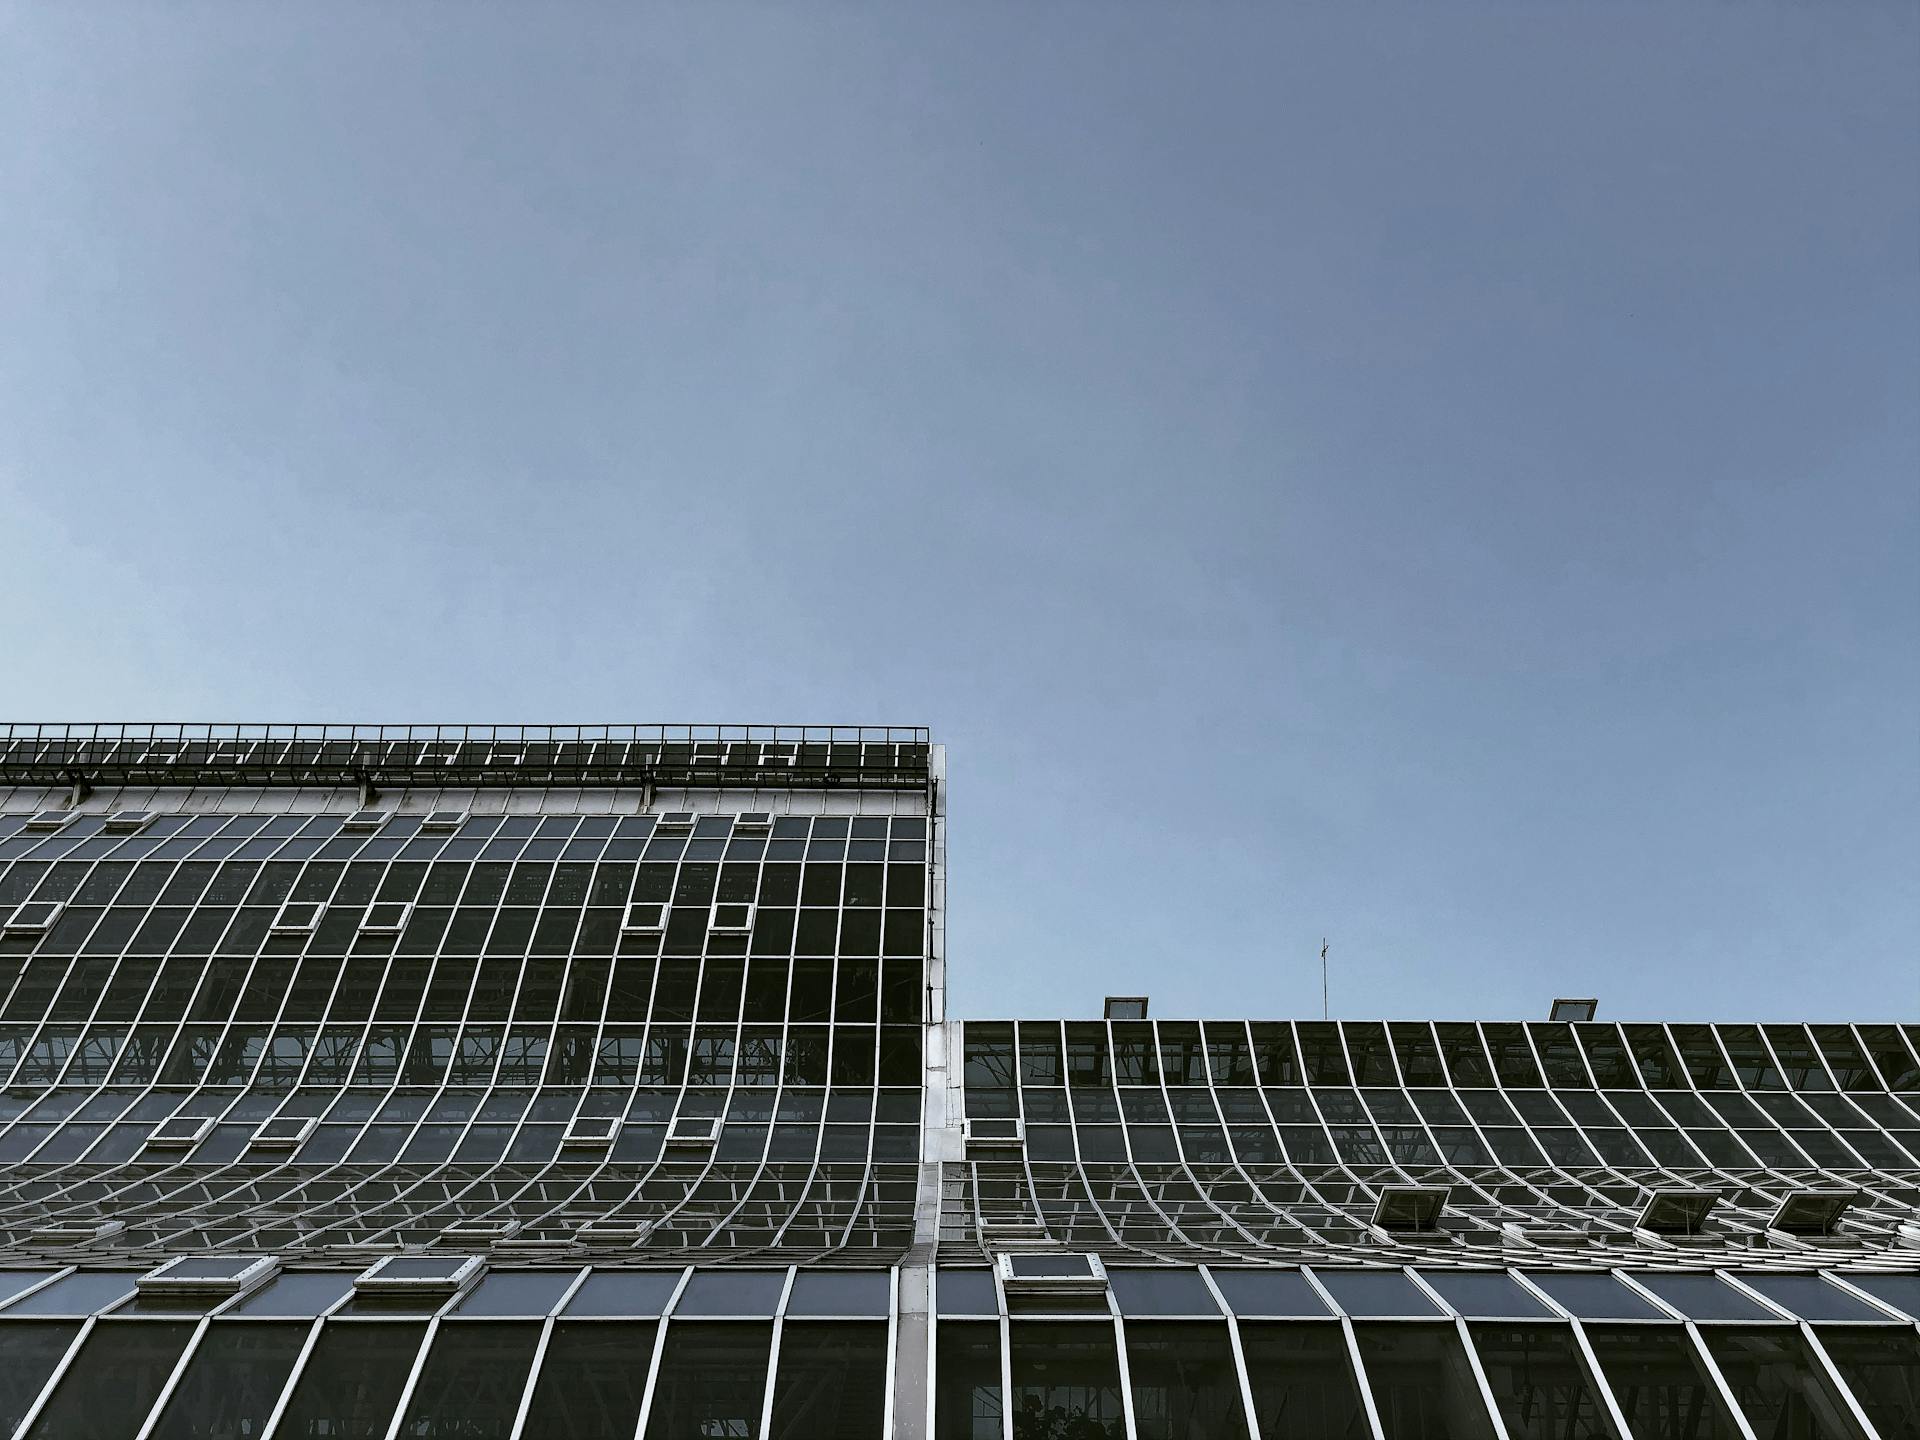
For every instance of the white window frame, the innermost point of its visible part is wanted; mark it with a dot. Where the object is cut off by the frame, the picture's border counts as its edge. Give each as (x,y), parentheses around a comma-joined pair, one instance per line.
(165,1280)
(127,822)
(628,926)
(596,1132)
(443,820)
(283,926)
(694,1130)
(263,1141)
(367,927)
(202,1127)
(367,819)
(14,927)
(374,1280)
(744,928)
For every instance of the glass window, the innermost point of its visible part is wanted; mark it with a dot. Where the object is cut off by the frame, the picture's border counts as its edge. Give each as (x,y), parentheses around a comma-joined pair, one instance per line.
(1269,1293)
(1659,1383)
(831,1380)
(1882,1368)
(517,1292)
(1303,1386)
(967,1292)
(713,1381)
(297,1294)
(1704,1297)
(642,1294)
(1422,1386)
(839,1292)
(1489,1294)
(1778,1385)
(1066,1381)
(1162,1292)
(12,1282)
(81,1293)
(1900,1291)
(351,1383)
(1383,1293)
(1539,1382)
(592,1380)
(28,1354)
(473,1379)
(113,1381)
(966,1380)
(233,1381)
(731,1292)
(1595,1297)
(1811,1298)
(1185,1386)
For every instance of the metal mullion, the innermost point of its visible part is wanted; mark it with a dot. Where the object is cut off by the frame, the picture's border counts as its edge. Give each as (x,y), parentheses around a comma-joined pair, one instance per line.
(419,1366)
(1359,1371)
(1825,1364)
(173,1378)
(1241,1375)
(1601,1385)
(1006,1361)
(540,1351)
(53,1380)
(1480,1377)
(659,1349)
(1126,1371)
(1705,1358)
(1833,1277)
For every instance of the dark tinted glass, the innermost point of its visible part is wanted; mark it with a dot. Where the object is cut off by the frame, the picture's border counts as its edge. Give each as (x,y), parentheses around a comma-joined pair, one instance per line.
(967,1292)
(1900,1291)
(1269,1292)
(1659,1382)
(591,1381)
(1185,1386)
(1704,1297)
(78,1294)
(113,1381)
(1066,1381)
(1375,1292)
(297,1293)
(713,1381)
(831,1381)
(967,1381)
(1303,1385)
(1162,1292)
(839,1292)
(517,1292)
(351,1384)
(1488,1293)
(473,1380)
(1540,1383)
(731,1292)
(28,1354)
(1882,1369)
(1778,1385)
(639,1293)
(1422,1386)
(1812,1298)
(1595,1297)
(233,1381)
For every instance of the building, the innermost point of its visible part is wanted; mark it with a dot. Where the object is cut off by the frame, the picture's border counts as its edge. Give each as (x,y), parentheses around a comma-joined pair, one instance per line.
(583,1082)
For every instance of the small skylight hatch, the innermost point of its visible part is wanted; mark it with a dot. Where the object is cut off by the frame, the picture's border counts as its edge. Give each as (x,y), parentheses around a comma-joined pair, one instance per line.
(443,820)
(591,1131)
(1677,1211)
(675,822)
(422,1275)
(482,1228)
(1812,1212)
(645,917)
(753,820)
(49,820)
(386,917)
(1410,1209)
(1126,1007)
(693,1130)
(34,917)
(127,822)
(993,1133)
(180,1132)
(77,1232)
(297,917)
(613,1230)
(284,1132)
(1051,1272)
(731,918)
(366,820)
(1579,1011)
(209,1275)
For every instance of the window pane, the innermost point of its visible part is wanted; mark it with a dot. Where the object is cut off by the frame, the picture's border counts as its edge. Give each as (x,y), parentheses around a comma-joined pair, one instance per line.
(1882,1369)
(1900,1291)
(113,1381)
(713,1381)
(473,1380)
(232,1383)
(1812,1298)
(297,1293)
(1422,1386)
(967,1292)
(831,1381)
(1162,1292)
(1595,1297)
(28,1354)
(1657,1379)
(839,1292)
(1066,1381)
(517,1293)
(1303,1385)
(1486,1293)
(966,1381)
(1375,1292)
(1184,1383)
(1269,1292)
(352,1382)
(731,1292)
(639,1293)
(1704,1297)
(1539,1382)
(591,1381)
(1778,1385)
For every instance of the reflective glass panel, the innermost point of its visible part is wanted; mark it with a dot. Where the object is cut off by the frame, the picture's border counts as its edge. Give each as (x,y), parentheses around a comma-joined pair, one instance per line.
(233,1381)
(1595,1297)
(1704,1297)
(1900,1291)
(1375,1293)
(517,1292)
(731,1292)
(831,1381)
(352,1381)
(1540,1383)
(967,1292)
(1066,1381)
(473,1379)
(1778,1385)
(1812,1298)
(1273,1293)
(1423,1388)
(1185,1386)
(297,1293)
(966,1381)
(1488,1293)
(591,1380)
(1660,1384)
(713,1381)
(839,1292)
(28,1354)
(1303,1386)
(78,1294)
(1162,1292)
(1882,1368)
(113,1381)
(642,1294)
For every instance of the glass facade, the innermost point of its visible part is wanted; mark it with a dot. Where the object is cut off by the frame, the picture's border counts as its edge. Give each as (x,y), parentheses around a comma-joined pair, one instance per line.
(577,1082)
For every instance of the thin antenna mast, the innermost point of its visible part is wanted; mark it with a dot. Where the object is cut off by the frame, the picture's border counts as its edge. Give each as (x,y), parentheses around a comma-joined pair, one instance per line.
(1325,1012)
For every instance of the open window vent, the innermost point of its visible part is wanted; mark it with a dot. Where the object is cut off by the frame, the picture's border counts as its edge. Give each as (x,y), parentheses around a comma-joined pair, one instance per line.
(49,820)
(693,1130)
(1410,1209)
(591,1132)
(284,1132)
(731,918)
(209,1275)
(753,820)
(645,917)
(297,917)
(1813,1217)
(993,1133)
(612,1230)
(1050,1273)
(401,1276)
(1545,1237)
(1125,1007)
(1578,1010)
(35,917)
(675,822)
(127,822)
(481,1229)
(366,820)
(386,917)
(1676,1212)
(443,820)
(180,1132)
(77,1232)
(534,1246)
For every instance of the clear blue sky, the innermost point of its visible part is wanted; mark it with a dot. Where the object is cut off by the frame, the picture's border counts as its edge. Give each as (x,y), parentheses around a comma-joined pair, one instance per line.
(1441,476)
